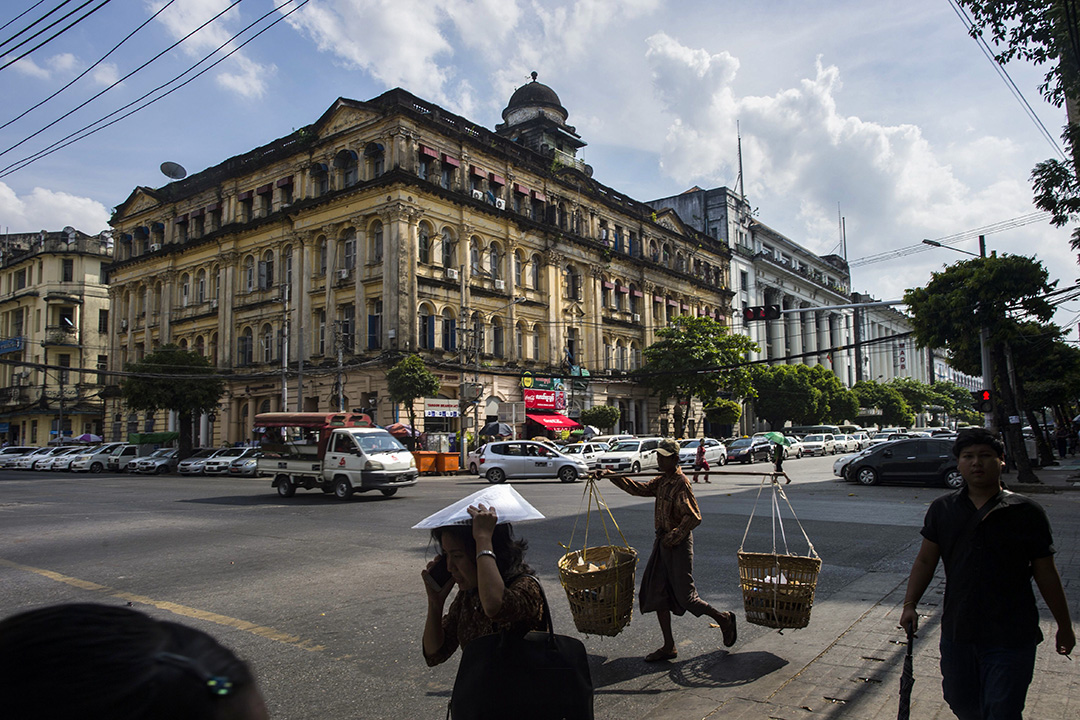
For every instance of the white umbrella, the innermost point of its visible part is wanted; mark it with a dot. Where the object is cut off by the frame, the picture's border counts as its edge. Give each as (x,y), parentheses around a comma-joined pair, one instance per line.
(508,504)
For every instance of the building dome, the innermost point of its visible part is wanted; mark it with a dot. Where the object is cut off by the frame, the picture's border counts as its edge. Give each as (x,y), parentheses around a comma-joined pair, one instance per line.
(534,95)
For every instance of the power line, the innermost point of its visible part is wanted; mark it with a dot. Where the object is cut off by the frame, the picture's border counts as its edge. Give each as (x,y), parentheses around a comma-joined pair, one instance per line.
(21,14)
(83,74)
(27,28)
(56,34)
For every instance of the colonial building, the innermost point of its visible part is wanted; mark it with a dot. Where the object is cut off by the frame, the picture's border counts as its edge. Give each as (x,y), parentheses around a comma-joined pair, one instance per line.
(54,323)
(393,226)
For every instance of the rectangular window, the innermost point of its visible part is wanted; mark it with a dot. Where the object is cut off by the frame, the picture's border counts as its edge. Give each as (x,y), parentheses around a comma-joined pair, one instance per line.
(67,270)
(348,328)
(20,279)
(247,209)
(321,330)
(65,362)
(102,365)
(350,254)
(103,321)
(374,341)
(449,333)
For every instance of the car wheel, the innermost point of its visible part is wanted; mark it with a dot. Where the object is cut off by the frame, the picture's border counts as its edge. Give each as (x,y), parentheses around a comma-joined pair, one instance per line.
(636,467)
(866,476)
(388,492)
(96,467)
(954,480)
(285,487)
(567,474)
(495,476)
(162,469)
(473,469)
(342,489)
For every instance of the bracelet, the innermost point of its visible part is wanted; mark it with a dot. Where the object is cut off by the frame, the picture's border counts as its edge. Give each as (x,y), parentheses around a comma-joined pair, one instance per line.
(911,602)
(489,553)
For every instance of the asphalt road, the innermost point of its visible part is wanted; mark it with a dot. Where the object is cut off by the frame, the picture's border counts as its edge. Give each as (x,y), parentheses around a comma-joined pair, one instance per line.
(323,597)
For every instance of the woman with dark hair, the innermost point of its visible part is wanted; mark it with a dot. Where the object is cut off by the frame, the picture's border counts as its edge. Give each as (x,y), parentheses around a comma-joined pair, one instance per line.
(496,590)
(69,662)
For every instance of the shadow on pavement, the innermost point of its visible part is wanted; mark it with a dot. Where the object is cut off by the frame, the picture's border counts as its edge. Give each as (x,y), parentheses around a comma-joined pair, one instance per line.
(716,670)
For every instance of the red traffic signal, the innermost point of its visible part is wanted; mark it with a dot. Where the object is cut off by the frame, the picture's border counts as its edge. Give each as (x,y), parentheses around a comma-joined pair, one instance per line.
(761,312)
(983,400)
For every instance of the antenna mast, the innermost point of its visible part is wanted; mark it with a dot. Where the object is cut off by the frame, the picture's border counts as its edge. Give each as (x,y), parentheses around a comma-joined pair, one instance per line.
(742,191)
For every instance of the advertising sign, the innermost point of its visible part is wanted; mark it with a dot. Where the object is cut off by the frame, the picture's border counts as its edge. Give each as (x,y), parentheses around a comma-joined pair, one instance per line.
(440,407)
(545,399)
(14,344)
(528,382)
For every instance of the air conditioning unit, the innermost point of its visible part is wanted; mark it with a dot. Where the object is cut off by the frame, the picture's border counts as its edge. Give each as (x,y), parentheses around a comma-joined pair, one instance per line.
(477,195)
(500,284)
(500,203)
(213,304)
(451,274)
(343,274)
(154,247)
(637,318)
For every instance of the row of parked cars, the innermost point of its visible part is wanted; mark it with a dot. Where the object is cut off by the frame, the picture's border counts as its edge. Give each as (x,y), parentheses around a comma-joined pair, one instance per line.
(124,457)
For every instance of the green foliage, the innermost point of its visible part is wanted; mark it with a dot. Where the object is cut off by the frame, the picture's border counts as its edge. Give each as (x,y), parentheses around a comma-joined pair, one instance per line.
(179,380)
(600,416)
(723,412)
(894,409)
(785,393)
(696,357)
(408,380)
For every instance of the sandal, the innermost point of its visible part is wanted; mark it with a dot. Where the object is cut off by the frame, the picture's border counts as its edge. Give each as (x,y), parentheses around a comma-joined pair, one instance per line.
(661,654)
(731,635)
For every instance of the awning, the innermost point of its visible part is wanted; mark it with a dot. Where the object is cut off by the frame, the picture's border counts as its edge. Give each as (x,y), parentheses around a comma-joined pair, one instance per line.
(554,421)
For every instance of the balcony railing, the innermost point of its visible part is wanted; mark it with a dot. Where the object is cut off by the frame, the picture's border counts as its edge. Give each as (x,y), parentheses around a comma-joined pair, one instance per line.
(61,335)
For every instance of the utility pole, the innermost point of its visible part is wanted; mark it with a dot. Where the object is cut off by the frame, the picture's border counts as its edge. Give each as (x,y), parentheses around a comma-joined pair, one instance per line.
(285,349)
(340,382)
(462,446)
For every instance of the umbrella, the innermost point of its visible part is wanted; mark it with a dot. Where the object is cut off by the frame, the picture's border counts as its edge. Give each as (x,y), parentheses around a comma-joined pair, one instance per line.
(907,681)
(401,430)
(777,438)
(590,430)
(88,438)
(500,429)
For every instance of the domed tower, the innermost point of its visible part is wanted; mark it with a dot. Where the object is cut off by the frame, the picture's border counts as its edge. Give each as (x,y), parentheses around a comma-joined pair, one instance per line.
(535,118)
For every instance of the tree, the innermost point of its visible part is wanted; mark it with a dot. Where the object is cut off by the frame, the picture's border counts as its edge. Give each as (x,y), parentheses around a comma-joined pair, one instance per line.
(696,357)
(894,410)
(601,416)
(171,378)
(983,292)
(1043,32)
(785,393)
(723,412)
(408,380)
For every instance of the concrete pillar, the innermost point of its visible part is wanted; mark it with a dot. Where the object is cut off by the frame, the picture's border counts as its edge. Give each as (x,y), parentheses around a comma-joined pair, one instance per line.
(793,324)
(809,330)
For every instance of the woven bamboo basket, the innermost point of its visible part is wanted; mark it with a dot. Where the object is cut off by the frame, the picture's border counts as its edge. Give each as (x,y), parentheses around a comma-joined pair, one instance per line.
(601,601)
(778,590)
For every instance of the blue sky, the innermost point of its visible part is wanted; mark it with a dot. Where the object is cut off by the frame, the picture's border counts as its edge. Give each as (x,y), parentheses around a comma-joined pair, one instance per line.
(887,112)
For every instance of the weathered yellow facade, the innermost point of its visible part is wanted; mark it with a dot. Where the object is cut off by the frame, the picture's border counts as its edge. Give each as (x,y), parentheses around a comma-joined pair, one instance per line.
(54,316)
(393,226)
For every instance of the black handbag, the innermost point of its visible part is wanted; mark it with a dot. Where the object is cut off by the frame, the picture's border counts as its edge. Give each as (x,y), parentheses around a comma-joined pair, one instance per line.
(538,676)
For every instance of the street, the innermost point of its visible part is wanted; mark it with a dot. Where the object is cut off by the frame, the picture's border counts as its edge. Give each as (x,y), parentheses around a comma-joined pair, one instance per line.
(324,598)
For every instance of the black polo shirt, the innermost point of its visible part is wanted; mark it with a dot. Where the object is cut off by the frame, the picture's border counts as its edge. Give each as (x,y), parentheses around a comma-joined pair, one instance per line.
(988,593)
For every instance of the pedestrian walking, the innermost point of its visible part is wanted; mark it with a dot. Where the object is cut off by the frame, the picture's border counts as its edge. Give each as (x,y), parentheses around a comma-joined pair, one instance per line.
(993,543)
(667,585)
(700,463)
(1062,437)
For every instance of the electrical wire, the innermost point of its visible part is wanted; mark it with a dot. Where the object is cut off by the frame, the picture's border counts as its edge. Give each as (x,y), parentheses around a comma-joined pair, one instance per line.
(83,74)
(65,142)
(56,34)
(35,22)
(80,106)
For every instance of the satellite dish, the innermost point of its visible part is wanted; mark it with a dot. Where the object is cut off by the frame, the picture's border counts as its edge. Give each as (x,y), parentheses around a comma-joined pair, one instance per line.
(174,171)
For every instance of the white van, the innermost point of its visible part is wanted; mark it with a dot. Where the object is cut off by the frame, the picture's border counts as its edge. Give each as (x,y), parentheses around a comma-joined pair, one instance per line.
(94,459)
(632,455)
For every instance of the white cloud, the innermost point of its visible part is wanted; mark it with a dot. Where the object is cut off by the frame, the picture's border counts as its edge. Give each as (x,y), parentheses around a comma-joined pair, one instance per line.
(63,63)
(27,66)
(44,209)
(105,74)
(239,73)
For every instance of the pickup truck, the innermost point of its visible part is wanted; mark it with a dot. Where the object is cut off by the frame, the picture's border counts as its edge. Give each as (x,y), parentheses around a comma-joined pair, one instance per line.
(339,453)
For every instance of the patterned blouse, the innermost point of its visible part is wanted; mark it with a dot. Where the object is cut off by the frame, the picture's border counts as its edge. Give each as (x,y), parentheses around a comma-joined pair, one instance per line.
(522,610)
(676,507)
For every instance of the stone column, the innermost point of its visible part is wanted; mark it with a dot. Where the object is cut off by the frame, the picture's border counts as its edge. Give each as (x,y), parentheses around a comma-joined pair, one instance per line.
(793,324)
(553,279)
(591,331)
(167,305)
(226,322)
(824,342)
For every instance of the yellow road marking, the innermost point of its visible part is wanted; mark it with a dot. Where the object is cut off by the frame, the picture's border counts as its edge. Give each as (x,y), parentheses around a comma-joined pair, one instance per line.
(260,630)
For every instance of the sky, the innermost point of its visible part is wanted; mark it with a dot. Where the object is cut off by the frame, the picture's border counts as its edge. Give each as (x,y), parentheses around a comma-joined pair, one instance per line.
(885,114)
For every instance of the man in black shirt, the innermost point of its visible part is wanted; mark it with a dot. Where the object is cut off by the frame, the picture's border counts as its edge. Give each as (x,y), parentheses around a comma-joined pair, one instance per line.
(993,542)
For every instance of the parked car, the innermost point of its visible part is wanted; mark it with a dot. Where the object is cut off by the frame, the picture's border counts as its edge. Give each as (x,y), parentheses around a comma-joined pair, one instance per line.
(862,440)
(715,452)
(845,444)
(840,464)
(44,461)
(26,462)
(749,450)
(219,464)
(121,456)
(472,460)
(819,444)
(159,462)
(93,459)
(11,454)
(247,466)
(194,464)
(590,452)
(794,448)
(927,461)
(503,460)
(610,440)
(61,461)
(633,455)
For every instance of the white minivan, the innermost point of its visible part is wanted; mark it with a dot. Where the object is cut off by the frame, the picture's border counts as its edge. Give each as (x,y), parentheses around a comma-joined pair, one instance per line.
(94,459)
(632,455)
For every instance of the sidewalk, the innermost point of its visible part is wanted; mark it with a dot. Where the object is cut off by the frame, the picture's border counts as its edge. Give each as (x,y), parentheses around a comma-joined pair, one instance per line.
(847,663)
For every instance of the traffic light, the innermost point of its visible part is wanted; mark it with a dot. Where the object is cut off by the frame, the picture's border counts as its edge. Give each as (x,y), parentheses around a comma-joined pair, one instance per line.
(983,400)
(761,312)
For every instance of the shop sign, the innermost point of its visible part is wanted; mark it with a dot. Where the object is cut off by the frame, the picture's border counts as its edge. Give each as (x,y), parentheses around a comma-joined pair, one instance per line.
(440,407)
(545,399)
(529,382)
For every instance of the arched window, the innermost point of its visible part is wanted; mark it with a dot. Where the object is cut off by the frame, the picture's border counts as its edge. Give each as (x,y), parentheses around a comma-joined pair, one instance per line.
(185,290)
(654,251)
(215,282)
(264,406)
(449,248)
(345,162)
(635,356)
(377,242)
(666,257)
(424,243)
(562,216)
(266,270)
(573,283)
(249,273)
(474,255)
(519,269)
(200,345)
(200,286)
(183,344)
(535,266)
(267,342)
(519,340)
(495,262)
(214,348)
(620,356)
(348,250)
(427,328)
(609,354)
(286,268)
(374,157)
(497,341)
(320,179)
(537,345)
(449,330)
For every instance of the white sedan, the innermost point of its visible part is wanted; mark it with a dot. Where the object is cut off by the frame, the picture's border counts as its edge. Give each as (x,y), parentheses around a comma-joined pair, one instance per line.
(715,452)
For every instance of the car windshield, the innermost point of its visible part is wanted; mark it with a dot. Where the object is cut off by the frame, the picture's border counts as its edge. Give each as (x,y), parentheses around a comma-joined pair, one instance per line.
(163,452)
(233,452)
(741,442)
(204,453)
(688,443)
(573,449)
(814,438)
(626,446)
(379,443)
